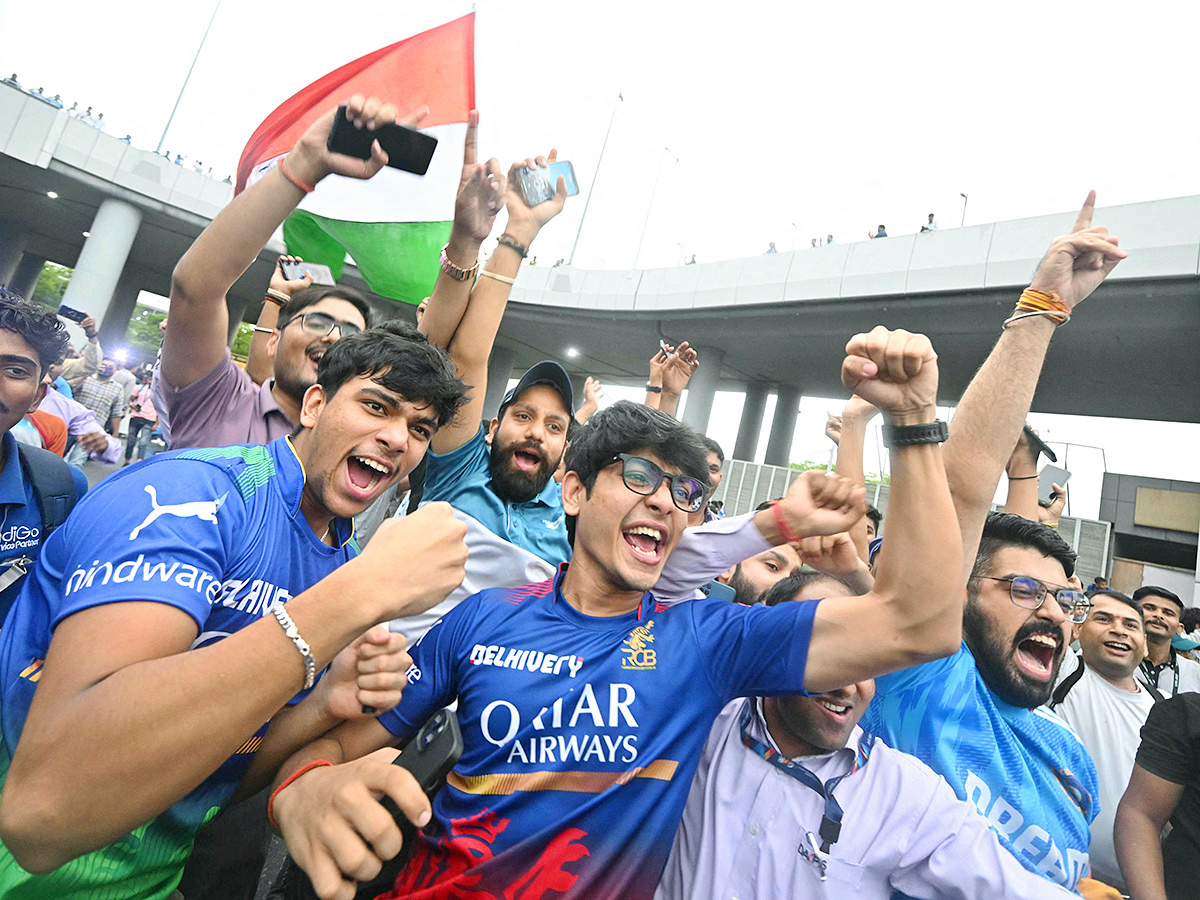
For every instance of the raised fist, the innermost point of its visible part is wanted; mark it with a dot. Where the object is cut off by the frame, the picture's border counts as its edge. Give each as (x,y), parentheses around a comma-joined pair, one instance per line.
(895,371)
(820,503)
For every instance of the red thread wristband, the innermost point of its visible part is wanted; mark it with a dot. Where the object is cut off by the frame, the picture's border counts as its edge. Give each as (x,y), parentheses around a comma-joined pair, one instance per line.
(788,534)
(315,764)
(307,188)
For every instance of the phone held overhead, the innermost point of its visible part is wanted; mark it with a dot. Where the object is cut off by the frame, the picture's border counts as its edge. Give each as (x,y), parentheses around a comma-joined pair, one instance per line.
(408,149)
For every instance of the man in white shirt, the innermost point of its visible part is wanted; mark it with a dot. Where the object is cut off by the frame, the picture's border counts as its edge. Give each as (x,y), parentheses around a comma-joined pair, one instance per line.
(1100,699)
(1164,667)
(756,827)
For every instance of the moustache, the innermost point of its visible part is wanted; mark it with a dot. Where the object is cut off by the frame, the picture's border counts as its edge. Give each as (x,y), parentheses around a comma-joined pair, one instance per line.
(1032,628)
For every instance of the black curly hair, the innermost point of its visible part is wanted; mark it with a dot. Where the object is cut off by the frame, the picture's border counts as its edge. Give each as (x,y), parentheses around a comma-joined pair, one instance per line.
(40,328)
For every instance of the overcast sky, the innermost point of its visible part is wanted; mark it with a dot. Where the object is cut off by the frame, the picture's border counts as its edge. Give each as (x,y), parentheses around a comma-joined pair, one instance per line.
(789,119)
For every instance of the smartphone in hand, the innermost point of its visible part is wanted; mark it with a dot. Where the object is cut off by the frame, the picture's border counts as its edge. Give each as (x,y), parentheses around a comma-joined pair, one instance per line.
(537,185)
(75,315)
(294,271)
(407,149)
(1050,476)
(429,756)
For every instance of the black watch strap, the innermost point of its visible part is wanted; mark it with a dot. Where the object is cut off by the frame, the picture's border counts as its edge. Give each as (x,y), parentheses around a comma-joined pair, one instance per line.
(909,435)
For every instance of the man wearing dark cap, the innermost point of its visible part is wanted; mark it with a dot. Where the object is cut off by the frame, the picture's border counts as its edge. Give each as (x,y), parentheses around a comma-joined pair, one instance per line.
(505,493)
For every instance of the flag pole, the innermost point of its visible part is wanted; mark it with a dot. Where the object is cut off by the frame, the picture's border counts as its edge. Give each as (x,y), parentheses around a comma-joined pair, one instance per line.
(187,78)
(595,175)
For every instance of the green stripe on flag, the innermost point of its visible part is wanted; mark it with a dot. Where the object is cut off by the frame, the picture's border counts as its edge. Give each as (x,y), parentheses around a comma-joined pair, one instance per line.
(399,260)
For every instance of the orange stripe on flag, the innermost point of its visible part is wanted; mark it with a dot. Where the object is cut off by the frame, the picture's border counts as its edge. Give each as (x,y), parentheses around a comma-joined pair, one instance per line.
(576,782)
(435,68)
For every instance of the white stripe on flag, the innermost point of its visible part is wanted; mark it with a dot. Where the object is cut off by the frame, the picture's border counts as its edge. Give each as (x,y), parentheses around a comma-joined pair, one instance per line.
(395,196)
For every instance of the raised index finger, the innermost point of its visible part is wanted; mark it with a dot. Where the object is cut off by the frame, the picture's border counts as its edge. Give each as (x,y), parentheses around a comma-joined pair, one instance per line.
(1084,219)
(469,146)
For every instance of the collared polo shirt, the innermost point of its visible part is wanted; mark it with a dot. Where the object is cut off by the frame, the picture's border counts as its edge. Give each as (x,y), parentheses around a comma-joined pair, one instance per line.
(21,522)
(463,478)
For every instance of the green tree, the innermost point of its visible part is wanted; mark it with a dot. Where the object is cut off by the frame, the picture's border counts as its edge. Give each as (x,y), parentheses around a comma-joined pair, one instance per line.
(143,333)
(51,285)
(241,341)
(871,477)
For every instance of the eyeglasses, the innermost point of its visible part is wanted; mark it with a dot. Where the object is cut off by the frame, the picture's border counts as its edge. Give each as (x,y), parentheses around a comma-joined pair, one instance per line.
(1029,593)
(320,324)
(643,477)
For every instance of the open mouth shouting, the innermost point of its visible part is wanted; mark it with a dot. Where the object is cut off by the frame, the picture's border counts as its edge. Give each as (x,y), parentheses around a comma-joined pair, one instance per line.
(364,474)
(1037,653)
(527,458)
(646,542)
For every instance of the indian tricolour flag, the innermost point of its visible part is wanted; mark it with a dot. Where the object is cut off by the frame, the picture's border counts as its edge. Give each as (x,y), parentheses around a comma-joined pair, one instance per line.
(394,224)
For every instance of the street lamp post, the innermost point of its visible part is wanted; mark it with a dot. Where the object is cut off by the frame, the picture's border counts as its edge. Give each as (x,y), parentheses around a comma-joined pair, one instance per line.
(964,215)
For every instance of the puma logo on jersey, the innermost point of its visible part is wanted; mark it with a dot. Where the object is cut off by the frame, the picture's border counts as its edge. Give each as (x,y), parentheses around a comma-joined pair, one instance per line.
(206,510)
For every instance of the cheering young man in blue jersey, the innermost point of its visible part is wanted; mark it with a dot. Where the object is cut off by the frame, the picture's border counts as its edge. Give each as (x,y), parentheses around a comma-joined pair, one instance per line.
(187,601)
(585,702)
(974,717)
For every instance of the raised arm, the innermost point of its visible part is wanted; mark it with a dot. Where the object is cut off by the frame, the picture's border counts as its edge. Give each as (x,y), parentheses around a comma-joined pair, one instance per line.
(852,438)
(992,411)
(260,361)
(480,196)
(476,333)
(914,612)
(680,366)
(92,354)
(198,325)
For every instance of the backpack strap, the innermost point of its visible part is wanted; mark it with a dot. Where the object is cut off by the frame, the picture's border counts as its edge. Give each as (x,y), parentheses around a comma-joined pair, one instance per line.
(53,485)
(1152,690)
(1060,692)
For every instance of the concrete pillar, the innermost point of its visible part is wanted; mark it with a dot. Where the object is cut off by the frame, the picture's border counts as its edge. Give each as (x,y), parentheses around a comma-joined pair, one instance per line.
(1196,593)
(12,245)
(702,388)
(500,369)
(116,323)
(750,425)
(25,278)
(103,257)
(783,426)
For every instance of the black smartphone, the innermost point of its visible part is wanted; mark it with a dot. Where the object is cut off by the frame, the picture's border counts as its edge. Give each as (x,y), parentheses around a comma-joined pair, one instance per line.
(407,149)
(75,315)
(537,185)
(429,756)
(1049,476)
(294,271)
(1039,446)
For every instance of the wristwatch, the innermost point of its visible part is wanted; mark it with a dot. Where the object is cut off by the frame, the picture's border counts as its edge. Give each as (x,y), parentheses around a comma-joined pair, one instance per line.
(909,435)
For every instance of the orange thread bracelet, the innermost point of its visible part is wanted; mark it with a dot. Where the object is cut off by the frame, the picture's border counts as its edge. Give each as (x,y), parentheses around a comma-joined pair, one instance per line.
(315,764)
(307,188)
(788,534)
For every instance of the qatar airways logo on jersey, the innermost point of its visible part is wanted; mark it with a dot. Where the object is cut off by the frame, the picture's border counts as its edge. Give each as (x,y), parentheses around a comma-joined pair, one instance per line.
(529,660)
(610,706)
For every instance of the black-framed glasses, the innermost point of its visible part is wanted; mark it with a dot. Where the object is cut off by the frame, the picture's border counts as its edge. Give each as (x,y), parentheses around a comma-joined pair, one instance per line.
(643,477)
(320,324)
(1029,593)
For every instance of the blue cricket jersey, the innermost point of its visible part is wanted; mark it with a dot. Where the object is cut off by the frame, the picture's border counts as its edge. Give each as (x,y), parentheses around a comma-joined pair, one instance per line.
(1023,769)
(463,478)
(217,533)
(581,734)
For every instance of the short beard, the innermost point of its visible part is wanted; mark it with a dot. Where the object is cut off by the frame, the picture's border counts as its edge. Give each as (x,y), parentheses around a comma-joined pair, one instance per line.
(510,483)
(289,380)
(744,592)
(995,663)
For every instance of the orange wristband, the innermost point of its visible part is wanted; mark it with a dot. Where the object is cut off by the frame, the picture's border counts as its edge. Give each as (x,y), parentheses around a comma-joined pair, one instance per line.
(315,764)
(788,534)
(307,188)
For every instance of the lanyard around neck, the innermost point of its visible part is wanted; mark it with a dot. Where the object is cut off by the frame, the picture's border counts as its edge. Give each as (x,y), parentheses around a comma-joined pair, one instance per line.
(831,820)
(1152,671)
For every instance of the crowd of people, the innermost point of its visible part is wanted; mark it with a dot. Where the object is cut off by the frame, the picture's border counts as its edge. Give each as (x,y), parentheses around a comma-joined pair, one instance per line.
(652,699)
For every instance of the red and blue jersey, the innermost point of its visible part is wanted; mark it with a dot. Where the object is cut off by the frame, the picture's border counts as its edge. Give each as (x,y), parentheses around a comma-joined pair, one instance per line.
(581,735)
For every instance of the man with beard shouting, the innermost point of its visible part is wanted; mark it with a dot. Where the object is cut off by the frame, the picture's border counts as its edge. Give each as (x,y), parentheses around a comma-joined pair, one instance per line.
(974,717)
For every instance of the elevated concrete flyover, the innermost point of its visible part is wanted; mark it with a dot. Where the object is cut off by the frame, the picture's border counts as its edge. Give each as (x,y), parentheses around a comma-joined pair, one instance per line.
(783,319)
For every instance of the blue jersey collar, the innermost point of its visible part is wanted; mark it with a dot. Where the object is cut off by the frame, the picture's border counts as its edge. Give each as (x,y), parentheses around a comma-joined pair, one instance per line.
(644,611)
(288,461)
